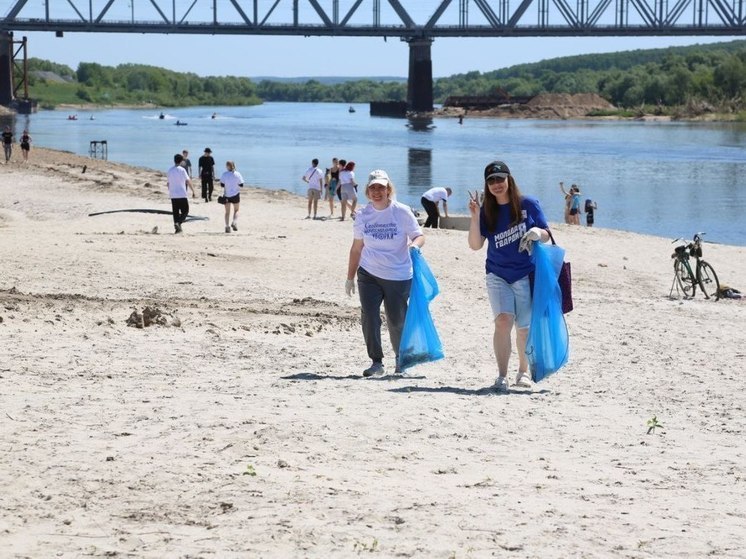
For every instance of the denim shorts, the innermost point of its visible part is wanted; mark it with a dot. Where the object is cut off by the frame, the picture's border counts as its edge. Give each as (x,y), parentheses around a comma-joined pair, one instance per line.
(511,298)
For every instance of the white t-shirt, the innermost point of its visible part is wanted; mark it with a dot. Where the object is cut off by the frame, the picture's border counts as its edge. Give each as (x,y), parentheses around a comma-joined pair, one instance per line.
(177,179)
(346,177)
(386,234)
(232,181)
(436,194)
(315,178)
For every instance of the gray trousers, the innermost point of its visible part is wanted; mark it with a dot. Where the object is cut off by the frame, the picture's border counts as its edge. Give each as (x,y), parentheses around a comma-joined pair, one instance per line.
(394,296)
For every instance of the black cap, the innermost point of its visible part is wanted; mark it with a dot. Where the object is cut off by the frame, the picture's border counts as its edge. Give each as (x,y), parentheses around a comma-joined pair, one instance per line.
(208,150)
(496,169)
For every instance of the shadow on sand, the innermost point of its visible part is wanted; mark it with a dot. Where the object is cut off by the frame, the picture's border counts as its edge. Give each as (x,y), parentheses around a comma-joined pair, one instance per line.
(316,376)
(486,391)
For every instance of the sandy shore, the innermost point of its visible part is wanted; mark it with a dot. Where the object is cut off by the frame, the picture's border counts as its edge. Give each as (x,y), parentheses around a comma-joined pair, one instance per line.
(242,427)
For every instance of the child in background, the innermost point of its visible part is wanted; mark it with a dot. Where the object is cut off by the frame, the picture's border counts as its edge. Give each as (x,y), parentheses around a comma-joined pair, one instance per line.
(590,207)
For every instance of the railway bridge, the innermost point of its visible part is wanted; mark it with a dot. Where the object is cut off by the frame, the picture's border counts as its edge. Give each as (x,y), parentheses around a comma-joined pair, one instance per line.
(417,22)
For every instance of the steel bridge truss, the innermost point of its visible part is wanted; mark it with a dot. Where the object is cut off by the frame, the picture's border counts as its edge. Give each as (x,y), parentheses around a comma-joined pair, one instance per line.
(380,18)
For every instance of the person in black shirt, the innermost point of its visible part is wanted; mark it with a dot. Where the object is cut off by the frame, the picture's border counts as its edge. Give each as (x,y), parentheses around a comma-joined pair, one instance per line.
(207,174)
(25,144)
(7,142)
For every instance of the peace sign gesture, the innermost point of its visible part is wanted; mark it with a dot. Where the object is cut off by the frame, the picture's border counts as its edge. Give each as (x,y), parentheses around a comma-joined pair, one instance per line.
(474,204)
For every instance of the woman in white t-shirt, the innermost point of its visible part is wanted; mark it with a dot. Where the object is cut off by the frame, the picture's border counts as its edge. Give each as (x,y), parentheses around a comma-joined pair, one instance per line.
(348,189)
(232,182)
(384,233)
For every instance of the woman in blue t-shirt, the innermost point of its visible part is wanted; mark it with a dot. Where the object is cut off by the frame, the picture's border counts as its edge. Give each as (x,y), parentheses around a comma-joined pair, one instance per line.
(509,222)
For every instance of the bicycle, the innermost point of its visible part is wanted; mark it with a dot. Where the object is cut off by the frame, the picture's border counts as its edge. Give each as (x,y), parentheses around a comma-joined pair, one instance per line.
(687,280)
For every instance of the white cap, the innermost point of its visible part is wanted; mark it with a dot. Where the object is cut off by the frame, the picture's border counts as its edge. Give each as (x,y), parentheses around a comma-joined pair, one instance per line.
(378,176)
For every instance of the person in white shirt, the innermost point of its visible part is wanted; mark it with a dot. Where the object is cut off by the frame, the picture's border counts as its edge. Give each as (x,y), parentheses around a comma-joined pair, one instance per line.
(315,179)
(232,182)
(348,189)
(430,201)
(178,181)
(384,233)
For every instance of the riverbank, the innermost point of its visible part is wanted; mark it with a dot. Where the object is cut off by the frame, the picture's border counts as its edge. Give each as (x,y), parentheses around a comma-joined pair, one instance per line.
(588,106)
(239,424)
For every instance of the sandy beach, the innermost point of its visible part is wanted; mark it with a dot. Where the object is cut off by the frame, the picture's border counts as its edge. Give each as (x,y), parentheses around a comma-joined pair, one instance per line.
(239,425)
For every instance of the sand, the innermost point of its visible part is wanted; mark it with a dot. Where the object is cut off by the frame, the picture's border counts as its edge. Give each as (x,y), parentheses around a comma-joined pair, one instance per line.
(241,425)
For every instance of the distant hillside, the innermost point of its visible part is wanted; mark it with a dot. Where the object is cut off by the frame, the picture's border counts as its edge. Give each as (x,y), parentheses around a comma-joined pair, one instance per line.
(711,77)
(622,60)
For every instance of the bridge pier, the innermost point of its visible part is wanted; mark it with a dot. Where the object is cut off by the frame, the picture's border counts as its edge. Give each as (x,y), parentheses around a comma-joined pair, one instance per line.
(6,68)
(420,81)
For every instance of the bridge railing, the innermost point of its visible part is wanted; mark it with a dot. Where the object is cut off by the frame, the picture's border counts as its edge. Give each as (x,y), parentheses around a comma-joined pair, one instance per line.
(386,18)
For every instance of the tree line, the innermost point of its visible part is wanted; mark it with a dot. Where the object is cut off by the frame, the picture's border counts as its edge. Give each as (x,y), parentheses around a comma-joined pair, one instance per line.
(135,84)
(713,74)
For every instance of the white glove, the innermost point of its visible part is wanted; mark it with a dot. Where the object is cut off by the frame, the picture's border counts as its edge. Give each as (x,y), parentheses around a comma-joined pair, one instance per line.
(534,234)
(350,287)
(527,241)
(414,248)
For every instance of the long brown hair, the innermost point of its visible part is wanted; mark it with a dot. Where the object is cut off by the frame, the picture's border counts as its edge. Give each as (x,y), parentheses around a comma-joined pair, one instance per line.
(490,205)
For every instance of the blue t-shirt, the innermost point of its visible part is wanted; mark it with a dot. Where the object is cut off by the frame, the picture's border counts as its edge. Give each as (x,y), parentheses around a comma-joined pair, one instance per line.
(575,205)
(503,258)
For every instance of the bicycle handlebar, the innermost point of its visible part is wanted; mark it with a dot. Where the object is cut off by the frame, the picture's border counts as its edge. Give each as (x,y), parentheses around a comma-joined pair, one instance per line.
(697,237)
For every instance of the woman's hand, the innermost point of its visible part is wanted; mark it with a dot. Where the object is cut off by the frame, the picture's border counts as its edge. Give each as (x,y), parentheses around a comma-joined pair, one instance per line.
(474,205)
(532,235)
(350,287)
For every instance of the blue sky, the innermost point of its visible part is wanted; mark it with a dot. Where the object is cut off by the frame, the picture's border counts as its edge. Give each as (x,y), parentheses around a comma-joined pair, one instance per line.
(321,56)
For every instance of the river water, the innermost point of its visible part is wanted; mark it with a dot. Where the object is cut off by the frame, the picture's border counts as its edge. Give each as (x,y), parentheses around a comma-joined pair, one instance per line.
(667,179)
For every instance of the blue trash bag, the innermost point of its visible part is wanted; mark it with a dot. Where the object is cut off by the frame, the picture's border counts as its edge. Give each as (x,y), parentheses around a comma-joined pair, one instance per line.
(420,342)
(548,343)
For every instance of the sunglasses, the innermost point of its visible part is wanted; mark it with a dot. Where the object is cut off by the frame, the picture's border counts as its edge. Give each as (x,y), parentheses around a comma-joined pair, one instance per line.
(496,180)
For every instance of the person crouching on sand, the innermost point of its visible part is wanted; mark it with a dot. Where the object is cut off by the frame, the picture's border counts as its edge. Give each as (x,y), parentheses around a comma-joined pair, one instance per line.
(507,221)
(232,183)
(178,181)
(384,233)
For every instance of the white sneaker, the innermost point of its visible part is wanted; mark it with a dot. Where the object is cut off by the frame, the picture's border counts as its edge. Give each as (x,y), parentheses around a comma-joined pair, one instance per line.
(501,385)
(523,379)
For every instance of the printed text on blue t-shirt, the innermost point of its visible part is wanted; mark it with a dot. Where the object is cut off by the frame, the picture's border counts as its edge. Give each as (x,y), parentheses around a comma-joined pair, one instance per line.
(511,235)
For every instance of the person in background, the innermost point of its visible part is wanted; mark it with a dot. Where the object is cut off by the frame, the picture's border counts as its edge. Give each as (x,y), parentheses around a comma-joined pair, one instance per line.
(348,187)
(232,182)
(342,165)
(186,163)
(430,201)
(178,181)
(8,142)
(590,208)
(315,180)
(568,201)
(574,205)
(507,220)
(206,169)
(383,234)
(330,184)
(25,144)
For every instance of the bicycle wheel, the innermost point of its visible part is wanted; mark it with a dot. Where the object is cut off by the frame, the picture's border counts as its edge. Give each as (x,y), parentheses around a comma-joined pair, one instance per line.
(708,281)
(684,279)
